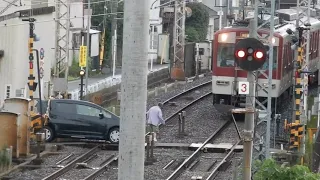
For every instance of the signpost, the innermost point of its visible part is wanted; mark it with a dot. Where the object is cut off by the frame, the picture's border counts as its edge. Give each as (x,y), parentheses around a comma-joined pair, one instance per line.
(243,87)
(83,56)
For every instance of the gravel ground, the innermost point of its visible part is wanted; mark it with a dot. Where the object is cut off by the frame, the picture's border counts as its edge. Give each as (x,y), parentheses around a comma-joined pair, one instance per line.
(162,97)
(184,100)
(229,135)
(25,174)
(80,173)
(155,171)
(201,120)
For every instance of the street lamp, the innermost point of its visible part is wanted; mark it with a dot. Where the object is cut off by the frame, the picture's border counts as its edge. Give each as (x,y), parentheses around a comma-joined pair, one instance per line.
(82,73)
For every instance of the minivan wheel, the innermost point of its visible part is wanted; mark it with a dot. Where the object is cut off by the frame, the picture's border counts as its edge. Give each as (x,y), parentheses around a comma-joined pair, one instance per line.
(114,135)
(49,134)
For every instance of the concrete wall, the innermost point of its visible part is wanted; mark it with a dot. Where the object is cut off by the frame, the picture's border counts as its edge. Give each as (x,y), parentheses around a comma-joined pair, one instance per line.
(14,66)
(106,95)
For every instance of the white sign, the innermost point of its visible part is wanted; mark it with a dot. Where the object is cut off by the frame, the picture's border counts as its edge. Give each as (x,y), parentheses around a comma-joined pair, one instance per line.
(243,87)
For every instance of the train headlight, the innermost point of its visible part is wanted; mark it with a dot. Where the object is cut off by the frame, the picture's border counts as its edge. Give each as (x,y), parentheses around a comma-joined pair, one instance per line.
(224,37)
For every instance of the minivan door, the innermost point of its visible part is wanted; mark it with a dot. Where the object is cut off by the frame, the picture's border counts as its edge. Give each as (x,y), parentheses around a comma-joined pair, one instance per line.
(62,115)
(90,124)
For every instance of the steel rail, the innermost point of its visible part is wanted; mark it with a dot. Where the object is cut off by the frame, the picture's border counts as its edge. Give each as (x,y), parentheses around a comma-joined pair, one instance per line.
(188,105)
(186,91)
(69,166)
(194,155)
(215,171)
(102,169)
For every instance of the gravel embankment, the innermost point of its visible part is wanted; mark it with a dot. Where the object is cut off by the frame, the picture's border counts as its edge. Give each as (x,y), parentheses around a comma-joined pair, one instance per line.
(81,173)
(48,162)
(152,101)
(201,121)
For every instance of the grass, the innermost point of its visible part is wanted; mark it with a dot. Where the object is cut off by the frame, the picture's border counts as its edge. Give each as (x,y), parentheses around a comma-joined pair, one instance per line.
(71,78)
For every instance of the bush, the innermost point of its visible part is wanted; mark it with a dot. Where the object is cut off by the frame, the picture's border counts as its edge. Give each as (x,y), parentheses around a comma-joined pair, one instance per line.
(269,170)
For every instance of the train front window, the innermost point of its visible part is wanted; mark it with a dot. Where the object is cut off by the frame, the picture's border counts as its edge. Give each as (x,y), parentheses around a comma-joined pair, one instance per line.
(225,55)
(275,59)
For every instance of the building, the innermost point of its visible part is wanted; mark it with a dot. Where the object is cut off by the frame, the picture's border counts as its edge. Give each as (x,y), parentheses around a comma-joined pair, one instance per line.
(14,37)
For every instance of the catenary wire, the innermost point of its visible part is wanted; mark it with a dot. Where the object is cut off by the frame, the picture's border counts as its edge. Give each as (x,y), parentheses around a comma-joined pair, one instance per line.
(44,21)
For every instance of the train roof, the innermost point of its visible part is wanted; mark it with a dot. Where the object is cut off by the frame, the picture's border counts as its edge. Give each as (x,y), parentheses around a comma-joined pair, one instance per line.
(286,19)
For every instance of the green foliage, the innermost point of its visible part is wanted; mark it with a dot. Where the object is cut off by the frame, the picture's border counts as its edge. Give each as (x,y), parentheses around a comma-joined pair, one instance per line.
(97,21)
(270,170)
(197,24)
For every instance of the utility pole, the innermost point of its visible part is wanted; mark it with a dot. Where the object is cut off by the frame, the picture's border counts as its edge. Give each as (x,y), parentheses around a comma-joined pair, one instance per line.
(114,53)
(258,89)
(88,44)
(133,90)
(104,23)
(249,117)
(114,24)
(177,71)
(62,8)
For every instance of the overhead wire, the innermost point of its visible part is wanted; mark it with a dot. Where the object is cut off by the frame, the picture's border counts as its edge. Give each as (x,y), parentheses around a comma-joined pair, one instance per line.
(51,20)
(54,3)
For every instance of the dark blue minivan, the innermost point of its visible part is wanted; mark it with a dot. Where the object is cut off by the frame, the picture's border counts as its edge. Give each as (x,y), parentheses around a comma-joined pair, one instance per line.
(80,119)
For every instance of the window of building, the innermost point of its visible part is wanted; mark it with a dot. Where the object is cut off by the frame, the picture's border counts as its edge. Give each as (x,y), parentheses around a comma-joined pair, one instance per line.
(8,90)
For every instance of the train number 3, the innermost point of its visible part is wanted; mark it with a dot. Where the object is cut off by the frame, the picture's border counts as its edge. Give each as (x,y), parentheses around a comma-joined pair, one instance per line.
(244,88)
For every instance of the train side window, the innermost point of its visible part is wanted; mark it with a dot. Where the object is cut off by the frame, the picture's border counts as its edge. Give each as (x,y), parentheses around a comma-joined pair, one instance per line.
(225,55)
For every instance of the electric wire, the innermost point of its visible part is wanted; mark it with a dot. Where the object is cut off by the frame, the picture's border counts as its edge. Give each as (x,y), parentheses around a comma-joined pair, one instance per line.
(51,20)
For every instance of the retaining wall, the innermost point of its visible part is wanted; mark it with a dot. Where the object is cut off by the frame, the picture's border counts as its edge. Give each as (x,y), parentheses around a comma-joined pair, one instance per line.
(106,95)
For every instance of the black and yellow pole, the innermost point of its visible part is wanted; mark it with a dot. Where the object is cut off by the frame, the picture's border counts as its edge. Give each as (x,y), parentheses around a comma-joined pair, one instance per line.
(31,78)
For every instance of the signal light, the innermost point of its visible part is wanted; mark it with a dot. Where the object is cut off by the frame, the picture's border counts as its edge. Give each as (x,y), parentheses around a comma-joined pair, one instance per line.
(241,53)
(250,54)
(258,55)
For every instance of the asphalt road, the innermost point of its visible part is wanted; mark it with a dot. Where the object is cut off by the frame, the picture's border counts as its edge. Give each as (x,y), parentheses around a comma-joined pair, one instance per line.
(73,85)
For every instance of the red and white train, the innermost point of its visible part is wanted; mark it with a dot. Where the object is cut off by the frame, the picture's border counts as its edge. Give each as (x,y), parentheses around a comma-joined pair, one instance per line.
(226,74)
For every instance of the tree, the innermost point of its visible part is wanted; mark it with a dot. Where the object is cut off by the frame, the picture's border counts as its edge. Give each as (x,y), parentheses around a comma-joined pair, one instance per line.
(197,23)
(270,170)
(97,21)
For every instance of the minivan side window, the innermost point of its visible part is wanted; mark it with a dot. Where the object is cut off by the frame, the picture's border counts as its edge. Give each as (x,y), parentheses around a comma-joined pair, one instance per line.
(106,114)
(64,107)
(87,110)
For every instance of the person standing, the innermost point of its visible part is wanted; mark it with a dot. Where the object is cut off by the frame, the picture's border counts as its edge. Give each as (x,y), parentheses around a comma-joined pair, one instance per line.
(154,119)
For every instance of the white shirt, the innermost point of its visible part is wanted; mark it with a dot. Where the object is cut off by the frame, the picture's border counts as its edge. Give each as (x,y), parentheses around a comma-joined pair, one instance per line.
(154,116)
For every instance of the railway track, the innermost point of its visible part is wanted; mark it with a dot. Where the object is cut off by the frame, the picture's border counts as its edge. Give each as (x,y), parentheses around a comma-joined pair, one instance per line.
(72,164)
(211,169)
(177,103)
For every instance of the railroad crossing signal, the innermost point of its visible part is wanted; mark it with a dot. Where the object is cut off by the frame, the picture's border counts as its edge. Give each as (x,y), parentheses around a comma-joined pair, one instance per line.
(250,54)
(83,56)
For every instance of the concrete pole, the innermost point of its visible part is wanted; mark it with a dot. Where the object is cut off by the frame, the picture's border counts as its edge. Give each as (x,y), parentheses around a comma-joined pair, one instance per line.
(152,46)
(114,24)
(270,79)
(133,89)
(197,59)
(88,44)
(307,52)
(115,38)
(249,117)
(220,15)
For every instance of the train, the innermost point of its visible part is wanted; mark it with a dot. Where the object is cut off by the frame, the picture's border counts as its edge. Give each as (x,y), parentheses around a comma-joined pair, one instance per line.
(226,74)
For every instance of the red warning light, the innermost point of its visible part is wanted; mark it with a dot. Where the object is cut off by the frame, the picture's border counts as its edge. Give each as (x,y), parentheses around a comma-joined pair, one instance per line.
(30,65)
(258,55)
(241,53)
